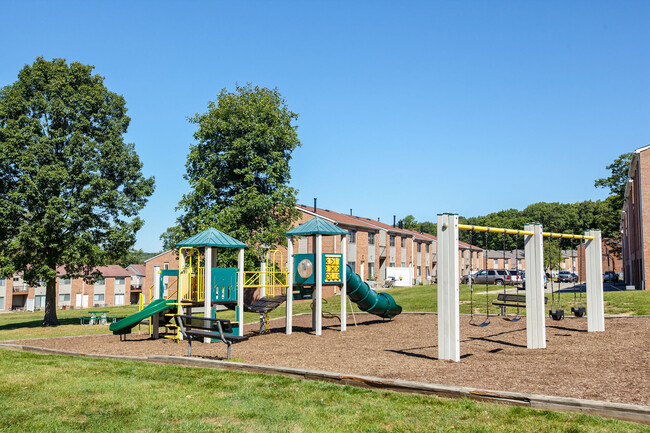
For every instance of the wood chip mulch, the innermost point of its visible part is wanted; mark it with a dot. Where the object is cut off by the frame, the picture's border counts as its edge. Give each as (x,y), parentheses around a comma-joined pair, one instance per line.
(609,366)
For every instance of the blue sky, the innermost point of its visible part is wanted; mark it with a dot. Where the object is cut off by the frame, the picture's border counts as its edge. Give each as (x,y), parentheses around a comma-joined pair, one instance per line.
(405,107)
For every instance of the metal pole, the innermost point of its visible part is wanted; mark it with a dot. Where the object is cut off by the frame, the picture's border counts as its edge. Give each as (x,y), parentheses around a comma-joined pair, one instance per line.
(448,290)
(535,307)
(594,271)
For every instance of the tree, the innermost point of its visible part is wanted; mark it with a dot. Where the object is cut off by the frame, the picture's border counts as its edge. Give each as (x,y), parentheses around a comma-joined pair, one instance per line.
(70,188)
(238,170)
(617,181)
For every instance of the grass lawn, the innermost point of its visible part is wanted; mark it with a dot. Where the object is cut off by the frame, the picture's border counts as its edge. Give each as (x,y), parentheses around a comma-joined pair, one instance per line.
(413,299)
(21,325)
(67,394)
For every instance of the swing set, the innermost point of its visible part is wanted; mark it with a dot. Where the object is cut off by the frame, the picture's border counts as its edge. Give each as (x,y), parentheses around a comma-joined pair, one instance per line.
(533,301)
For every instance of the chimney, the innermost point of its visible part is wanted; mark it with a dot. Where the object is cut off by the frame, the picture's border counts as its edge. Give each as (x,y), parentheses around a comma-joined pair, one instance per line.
(350,212)
(394,219)
(420,228)
(315,205)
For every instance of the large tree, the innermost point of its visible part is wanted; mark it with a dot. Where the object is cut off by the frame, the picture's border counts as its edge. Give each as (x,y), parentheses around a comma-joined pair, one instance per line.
(617,180)
(238,170)
(70,187)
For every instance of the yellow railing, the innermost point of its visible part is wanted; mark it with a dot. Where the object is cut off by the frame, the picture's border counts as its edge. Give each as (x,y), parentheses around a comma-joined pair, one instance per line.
(273,279)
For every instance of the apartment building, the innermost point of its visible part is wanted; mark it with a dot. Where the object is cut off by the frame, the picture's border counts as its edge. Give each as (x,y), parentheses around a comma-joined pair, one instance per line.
(635,221)
(113,288)
(373,245)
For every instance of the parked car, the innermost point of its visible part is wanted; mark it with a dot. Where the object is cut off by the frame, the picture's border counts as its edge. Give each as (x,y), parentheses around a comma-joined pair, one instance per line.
(567,277)
(516,276)
(523,280)
(492,276)
(465,278)
(610,276)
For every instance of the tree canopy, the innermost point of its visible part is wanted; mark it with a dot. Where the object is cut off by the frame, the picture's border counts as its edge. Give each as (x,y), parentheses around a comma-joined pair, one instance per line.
(617,180)
(70,187)
(239,172)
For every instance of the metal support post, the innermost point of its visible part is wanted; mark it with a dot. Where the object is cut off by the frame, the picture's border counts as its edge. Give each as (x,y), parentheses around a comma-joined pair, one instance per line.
(344,287)
(289,310)
(318,295)
(207,293)
(594,271)
(240,292)
(448,290)
(535,307)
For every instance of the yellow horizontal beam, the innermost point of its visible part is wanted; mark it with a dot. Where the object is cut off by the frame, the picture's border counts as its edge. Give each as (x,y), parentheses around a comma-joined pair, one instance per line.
(494,230)
(520,232)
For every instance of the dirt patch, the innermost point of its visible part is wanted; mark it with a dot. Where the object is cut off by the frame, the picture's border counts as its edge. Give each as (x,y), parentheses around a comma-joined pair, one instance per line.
(609,366)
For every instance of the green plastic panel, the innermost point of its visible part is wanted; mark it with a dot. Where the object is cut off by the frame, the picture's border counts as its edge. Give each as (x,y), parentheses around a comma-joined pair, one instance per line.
(224,283)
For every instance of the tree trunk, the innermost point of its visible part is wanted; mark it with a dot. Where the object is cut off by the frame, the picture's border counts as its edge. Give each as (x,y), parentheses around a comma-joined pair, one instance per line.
(50,318)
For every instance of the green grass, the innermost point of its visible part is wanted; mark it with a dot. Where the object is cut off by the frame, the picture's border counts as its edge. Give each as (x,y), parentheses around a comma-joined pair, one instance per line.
(68,394)
(22,325)
(412,299)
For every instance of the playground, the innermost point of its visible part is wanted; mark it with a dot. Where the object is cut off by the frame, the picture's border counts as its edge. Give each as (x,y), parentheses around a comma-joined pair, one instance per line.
(606,366)
(587,357)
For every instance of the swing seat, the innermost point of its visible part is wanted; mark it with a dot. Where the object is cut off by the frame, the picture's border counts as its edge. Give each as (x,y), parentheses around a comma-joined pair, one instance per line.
(578,311)
(556,314)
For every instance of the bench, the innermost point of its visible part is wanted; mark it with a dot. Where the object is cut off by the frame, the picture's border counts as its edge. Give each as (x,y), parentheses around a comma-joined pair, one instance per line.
(512,300)
(197,328)
(87,319)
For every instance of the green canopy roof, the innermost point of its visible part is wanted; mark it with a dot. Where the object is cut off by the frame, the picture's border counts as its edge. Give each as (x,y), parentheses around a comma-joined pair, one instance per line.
(211,238)
(315,226)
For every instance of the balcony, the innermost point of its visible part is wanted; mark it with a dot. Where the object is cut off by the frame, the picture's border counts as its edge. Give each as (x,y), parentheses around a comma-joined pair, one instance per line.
(21,289)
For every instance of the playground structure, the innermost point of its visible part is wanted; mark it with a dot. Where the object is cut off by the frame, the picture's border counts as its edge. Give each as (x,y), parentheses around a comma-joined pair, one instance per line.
(309,272)
(448,284)
(201,285)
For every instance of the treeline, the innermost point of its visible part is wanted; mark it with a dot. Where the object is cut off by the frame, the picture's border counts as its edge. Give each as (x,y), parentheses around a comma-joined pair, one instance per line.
(572,218)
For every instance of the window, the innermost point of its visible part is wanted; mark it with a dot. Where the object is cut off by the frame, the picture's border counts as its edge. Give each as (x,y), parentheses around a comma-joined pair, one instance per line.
(64,297)
(64,281)
(392,240)
(371,238)
(119,281)
(39,301)
(427,249)
(371,270)
(506,263)
(419,271)
(392,264)
(495,263)
(353,236)
(519,263)
(419,247)
(2,282)
(98,297)
(166,265)
(428,272)
(2,304)
(100,281)
(403,263)
(119,299)
(403,241)
(353,265)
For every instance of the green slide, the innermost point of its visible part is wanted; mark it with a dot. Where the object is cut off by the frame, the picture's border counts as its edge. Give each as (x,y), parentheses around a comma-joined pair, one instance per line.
(125,325)
(380,304)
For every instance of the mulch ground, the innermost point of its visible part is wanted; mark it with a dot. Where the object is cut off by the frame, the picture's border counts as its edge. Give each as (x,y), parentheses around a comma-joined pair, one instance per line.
(609,366)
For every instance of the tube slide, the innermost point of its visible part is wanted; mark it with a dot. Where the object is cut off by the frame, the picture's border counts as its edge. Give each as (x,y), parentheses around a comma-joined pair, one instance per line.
(125,325)
(379,304)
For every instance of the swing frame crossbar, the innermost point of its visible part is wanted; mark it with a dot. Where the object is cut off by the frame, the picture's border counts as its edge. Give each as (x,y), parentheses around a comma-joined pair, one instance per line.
(521,232)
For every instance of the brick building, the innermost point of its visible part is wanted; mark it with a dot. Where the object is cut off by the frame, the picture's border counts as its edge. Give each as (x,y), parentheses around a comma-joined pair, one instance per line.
(635,221)
(114,288)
